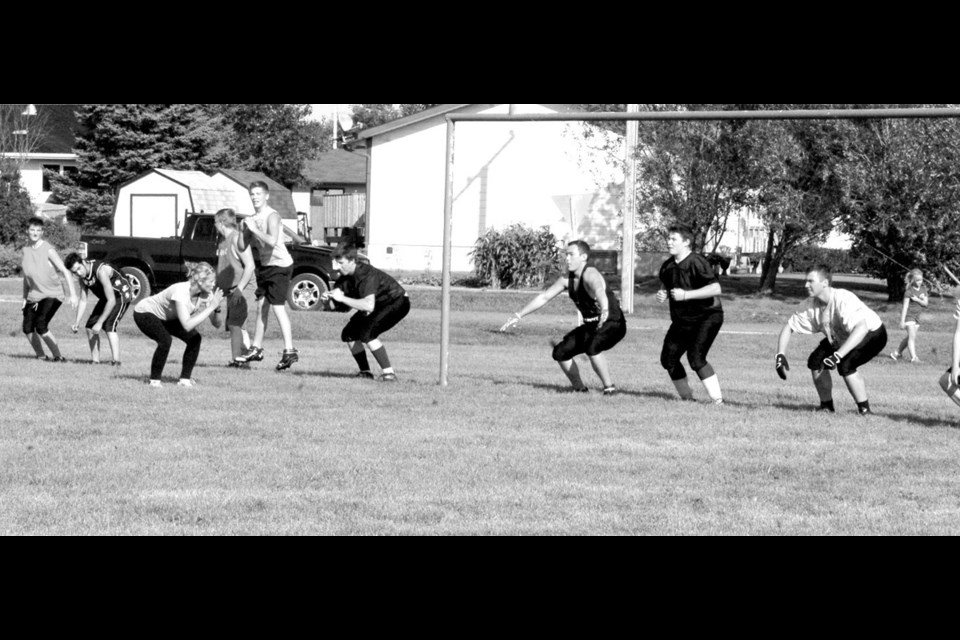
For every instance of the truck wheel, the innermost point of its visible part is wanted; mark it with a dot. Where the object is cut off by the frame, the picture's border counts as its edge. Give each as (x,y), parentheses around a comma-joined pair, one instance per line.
(305,292)
(138,282)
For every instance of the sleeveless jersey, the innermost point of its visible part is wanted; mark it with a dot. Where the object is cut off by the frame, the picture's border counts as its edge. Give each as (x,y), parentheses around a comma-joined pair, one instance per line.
(588,306)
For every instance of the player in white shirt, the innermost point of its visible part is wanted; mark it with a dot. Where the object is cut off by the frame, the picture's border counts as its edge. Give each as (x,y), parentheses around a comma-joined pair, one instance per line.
(855,335)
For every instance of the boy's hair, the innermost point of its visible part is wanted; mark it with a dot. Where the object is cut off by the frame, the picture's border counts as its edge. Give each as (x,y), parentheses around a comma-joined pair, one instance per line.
(200,272)
(34,222)
(824,271)
(226,217)
(581,246)
(259,183)
(913,273)
(72,259)
(346,250)
(684,232)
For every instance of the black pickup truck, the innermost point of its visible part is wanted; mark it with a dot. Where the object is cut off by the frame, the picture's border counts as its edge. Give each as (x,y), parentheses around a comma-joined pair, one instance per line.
(153,264)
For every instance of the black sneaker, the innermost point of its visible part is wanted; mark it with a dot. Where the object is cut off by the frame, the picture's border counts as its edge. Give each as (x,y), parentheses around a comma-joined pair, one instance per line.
(289,357)
(233,364)
(365,375)
(388,377)
(253,354)
(58,359)
(581,390)
(114,363)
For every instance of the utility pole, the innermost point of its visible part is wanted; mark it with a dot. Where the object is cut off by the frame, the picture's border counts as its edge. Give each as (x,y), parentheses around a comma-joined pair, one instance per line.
(629,213)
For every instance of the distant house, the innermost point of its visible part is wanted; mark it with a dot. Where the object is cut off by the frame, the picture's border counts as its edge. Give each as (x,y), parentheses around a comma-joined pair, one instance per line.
(155,204)
(538,173)
(333,191)
(53,152)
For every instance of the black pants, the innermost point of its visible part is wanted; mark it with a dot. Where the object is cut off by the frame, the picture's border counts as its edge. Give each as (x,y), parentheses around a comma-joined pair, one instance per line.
(37,315)
(868,349)
(694,339)
(162,332)
(364,327)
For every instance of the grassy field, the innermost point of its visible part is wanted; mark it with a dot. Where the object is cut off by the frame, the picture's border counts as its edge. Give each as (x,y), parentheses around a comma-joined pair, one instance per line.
(504,450)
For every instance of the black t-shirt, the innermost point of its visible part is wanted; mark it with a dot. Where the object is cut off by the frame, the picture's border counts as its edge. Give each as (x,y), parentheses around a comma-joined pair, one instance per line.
(367,280)
(693,273)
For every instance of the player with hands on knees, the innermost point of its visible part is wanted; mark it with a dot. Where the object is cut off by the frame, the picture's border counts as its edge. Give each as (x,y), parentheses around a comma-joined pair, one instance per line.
(854,335)
(603,322)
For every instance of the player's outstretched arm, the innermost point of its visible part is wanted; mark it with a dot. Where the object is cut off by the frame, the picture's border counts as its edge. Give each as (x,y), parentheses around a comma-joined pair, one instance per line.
(537,303)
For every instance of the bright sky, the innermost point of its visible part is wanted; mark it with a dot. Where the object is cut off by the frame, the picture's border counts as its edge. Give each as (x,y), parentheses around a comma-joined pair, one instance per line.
(321,111)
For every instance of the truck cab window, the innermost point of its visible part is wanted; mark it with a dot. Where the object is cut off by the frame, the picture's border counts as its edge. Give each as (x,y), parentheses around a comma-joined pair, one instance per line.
(205,231)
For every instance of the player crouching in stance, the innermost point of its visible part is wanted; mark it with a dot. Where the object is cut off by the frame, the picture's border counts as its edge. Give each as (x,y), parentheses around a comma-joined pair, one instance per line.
(177,311)
(854,336)
(603,322)
(950,381)
(690,283)
(114,294)
(381,303)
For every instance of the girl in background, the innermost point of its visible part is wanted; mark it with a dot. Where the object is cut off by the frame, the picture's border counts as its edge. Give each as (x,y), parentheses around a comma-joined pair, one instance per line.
(915,299)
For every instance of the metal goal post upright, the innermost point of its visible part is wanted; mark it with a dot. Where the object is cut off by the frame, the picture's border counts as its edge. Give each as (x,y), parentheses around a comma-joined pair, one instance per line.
(628,116)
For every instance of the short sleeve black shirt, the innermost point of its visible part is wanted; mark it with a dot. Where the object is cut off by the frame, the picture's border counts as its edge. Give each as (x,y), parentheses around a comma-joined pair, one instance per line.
(367,280)
(695,272)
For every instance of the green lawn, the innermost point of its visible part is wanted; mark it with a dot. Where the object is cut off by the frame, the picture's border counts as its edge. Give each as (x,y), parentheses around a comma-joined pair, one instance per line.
(503,450)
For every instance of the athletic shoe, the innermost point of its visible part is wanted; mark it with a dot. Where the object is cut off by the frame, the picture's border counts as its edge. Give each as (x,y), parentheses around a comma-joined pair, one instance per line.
(58,359)
(581,390)
(156,384)
(388,377)
(42,358)
(895,356)
(718,403)
(365,375)
(114,363)
(610,391)
(233,364)
(94,362)
(288,358)
(186,383)
(916,361)
(253,354)
(864,412)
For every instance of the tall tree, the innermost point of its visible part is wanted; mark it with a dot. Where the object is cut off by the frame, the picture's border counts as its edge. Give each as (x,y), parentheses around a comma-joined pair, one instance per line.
(374,115)
(15,207)
(122,141)
(22,128)
(902,194)
(275,139)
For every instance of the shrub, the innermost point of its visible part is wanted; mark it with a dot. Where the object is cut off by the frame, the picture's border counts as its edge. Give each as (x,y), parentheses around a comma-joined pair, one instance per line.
(10,259)
(516,257)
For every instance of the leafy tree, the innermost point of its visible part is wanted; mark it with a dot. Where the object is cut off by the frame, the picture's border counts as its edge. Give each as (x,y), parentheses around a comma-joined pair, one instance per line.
(374,115)
(902,194)
(15,207)
(275,139)
(122,141)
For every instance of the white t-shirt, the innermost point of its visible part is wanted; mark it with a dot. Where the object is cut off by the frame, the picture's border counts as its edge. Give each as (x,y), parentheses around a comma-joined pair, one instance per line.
(837,319)
(277,256)
(164,304)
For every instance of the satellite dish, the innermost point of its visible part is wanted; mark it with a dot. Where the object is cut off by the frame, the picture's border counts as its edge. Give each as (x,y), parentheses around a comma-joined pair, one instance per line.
(345,121)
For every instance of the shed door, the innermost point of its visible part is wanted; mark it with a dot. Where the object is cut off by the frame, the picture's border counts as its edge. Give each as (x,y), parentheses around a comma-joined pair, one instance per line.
(153,216)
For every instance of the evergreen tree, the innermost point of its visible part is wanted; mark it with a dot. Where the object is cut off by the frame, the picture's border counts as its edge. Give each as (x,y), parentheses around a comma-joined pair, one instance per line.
(15,208)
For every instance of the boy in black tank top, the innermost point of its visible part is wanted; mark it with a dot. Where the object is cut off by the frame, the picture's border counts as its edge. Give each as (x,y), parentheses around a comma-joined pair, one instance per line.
(603,323)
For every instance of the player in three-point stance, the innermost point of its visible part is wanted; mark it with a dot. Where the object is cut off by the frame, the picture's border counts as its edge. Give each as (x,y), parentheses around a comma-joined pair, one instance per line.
(855,335)
(690,283)
(603,322)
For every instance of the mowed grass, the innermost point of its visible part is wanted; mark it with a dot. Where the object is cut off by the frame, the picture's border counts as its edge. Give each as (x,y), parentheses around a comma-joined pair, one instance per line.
(504,450)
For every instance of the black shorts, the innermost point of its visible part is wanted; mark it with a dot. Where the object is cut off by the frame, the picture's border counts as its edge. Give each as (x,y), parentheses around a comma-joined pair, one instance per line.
(110,324)
(273,283)
(364,327)
(589,340)
(37,315)
(868,349)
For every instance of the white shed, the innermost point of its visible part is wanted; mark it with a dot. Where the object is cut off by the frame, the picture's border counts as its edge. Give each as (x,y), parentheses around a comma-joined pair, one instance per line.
(155,204)
(538,173)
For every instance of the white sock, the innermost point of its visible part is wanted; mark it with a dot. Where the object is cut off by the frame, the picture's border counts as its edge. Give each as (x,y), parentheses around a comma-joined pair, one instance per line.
(712,385)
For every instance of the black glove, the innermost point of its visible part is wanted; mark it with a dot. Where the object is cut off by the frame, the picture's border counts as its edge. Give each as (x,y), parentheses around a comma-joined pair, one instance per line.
(831,362)
(782,366)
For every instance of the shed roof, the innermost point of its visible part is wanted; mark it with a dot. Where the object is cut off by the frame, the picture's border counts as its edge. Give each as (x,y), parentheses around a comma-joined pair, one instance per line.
(207,195)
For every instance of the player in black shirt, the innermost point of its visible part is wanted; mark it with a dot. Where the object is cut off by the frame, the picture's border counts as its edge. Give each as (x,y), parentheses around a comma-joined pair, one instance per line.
(603,322)
(380,302)
(690,283)
(114,294)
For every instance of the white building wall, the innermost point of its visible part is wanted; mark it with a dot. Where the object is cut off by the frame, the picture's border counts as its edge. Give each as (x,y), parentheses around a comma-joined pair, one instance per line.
(31,173)
(504,173)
